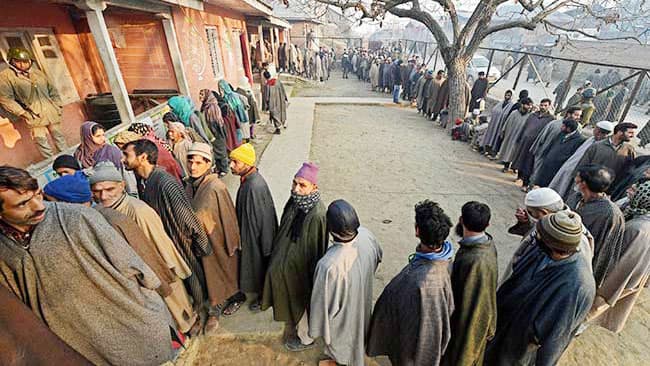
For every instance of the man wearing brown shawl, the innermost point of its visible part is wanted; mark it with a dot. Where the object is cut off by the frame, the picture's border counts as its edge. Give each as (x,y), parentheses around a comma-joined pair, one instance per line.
(212,115)
(215,210)
(79,276)
(623,284)
(168,199)
(300,243)
(431,94)
(278,101)
(602,217)
(108,190)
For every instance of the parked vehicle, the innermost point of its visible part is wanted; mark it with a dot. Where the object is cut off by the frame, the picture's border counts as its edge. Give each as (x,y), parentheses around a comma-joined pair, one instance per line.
(480,63)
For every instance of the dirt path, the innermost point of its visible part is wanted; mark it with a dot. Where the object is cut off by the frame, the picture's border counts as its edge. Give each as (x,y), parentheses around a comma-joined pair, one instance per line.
(384,160)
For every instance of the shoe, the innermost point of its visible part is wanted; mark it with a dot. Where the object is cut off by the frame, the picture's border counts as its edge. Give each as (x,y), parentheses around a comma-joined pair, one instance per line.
(293,344)
(277,131)
(255,306)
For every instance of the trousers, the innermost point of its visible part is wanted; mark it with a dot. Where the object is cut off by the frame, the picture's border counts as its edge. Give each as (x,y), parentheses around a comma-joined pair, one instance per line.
(40,136)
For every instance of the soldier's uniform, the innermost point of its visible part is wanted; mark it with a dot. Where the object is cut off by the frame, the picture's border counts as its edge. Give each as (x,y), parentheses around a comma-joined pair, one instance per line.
(32,96)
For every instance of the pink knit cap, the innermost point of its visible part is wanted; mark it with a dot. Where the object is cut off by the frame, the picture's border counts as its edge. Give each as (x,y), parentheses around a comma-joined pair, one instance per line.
(308,171)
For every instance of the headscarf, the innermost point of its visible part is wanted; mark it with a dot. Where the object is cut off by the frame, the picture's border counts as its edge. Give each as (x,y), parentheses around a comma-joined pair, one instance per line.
(147,132)
(640,202)
(182,108)
(233,100)
(88,153)
(178,127)
(210,108)
(87,148)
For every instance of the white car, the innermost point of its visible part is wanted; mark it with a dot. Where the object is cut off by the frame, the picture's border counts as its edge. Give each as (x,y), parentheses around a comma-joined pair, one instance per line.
(480,63)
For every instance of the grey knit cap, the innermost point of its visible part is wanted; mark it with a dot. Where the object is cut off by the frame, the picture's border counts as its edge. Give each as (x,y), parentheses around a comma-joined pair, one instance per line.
(104,171)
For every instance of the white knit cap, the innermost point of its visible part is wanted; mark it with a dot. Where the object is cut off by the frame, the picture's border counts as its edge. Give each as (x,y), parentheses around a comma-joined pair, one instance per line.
(541,197)
(605,125)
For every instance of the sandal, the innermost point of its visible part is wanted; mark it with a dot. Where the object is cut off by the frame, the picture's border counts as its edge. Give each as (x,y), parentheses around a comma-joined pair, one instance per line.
(232,308)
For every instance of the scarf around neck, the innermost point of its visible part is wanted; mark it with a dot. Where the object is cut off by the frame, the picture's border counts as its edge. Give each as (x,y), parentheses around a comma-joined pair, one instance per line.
(444,255)
(306,203)
(640,202)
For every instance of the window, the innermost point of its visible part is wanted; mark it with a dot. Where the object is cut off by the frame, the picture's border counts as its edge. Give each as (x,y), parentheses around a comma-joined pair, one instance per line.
(45,48)
(215,51)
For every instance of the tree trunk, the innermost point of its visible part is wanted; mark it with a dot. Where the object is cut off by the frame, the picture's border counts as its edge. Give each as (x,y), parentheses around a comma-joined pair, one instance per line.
(458,90)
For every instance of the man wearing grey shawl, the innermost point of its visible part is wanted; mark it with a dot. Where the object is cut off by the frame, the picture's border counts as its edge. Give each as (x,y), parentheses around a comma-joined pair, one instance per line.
(602,217)
(341,300)
(78,275)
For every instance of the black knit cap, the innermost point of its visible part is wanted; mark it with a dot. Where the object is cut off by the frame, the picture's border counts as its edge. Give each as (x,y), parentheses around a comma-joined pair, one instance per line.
(66,161)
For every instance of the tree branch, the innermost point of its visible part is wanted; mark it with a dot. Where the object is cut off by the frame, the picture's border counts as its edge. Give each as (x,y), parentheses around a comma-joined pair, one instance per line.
(426,19)
(593,36)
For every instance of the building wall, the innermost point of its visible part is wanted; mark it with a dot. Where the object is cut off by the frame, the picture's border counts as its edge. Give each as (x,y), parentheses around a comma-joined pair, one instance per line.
(192,39)
(141,49)
(299,31)
(21,14)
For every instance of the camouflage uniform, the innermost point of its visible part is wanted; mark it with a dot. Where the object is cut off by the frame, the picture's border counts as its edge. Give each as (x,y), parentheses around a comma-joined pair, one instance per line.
(32,96)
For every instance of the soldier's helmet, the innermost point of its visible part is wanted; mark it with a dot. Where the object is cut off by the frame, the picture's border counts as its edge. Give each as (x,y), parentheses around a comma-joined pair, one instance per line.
(19,53)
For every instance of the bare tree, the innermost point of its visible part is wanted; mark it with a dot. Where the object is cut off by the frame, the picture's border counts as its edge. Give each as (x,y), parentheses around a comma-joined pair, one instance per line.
(458,47)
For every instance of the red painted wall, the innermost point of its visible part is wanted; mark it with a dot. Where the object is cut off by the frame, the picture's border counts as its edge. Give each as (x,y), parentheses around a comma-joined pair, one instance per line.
(190,30)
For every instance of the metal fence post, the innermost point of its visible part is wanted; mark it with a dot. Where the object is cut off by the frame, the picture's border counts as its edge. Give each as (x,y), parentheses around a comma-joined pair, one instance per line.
(635,91)
(435,60)
(521,69)
(489,64)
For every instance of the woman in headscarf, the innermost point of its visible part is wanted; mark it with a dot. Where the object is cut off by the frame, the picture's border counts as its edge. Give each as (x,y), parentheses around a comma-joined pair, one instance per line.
(239,106)
(183,108)
(171,117)
(94,147)
(254,117)
(233,139)
(212,115)
(165,158)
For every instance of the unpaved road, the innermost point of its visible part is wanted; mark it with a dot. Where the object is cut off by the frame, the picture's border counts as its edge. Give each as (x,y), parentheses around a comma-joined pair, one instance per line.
(384,160)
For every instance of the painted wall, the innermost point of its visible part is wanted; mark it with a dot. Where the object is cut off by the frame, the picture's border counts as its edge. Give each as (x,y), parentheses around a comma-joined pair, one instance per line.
(38,14)
(192,39)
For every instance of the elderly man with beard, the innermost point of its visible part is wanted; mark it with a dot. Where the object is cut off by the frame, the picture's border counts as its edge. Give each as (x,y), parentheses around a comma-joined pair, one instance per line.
(109,190)
(299,244)
(214,208)
(78,275)
(539,203)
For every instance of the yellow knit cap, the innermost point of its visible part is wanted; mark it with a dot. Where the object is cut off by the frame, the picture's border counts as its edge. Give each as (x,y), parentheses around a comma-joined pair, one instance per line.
(244,153)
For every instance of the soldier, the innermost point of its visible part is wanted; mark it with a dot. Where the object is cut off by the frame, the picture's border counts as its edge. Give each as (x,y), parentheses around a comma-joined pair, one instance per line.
(27,93)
